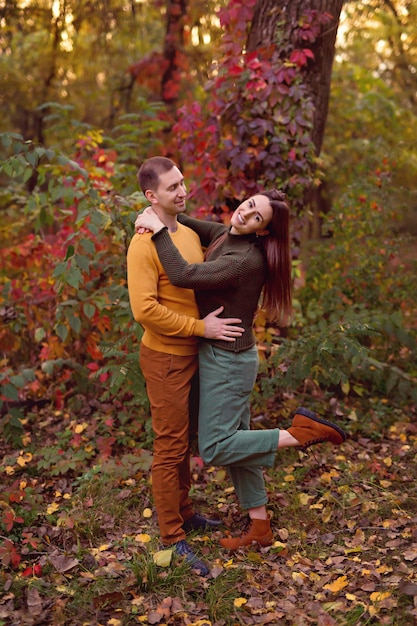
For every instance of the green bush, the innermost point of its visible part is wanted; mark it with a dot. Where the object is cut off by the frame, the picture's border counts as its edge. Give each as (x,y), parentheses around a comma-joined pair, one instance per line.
(354,332)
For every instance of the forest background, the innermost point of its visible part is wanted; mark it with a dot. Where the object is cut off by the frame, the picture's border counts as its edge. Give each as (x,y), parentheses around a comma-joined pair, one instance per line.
(243,95)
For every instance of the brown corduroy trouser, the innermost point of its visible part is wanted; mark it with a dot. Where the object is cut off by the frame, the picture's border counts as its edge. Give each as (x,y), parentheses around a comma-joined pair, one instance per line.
(169,380)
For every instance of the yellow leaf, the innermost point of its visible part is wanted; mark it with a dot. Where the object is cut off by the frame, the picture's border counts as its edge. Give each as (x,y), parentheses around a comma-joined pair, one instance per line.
(104,547)
(327,477)
(80,428)
(385,483)
(299,577)
(352,550)
(143,538)
(219,476)
(114,622)
(9,470)
(289,478)
(378,596)
(23,459)
(162,558)
(254,557)
(147,513)
(314,577)
(327,514)
(337,585)
(239,601)
(351,596)
(388,461)
(52,508)
(283,533)
(305,498)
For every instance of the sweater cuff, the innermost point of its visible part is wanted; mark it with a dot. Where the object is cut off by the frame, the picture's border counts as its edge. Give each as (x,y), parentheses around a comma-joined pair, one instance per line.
(159,232)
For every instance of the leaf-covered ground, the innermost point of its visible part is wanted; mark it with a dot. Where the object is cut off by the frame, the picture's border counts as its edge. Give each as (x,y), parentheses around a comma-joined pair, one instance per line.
(79,533)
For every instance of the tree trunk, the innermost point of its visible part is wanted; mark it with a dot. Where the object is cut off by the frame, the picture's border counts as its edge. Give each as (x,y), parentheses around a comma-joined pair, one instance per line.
(269,14)
(174,51)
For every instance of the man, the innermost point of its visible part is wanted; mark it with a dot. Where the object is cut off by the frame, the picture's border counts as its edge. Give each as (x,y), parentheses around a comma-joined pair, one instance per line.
(169,352)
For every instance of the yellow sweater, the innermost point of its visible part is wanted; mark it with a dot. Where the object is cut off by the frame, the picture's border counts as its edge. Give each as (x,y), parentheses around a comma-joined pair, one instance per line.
(168,314)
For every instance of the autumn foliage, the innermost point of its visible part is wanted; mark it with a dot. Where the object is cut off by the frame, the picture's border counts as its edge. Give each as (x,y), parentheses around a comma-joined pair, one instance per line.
(78,536)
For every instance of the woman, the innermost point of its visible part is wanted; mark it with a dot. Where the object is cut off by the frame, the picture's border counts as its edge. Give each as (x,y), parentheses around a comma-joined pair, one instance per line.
(243,261)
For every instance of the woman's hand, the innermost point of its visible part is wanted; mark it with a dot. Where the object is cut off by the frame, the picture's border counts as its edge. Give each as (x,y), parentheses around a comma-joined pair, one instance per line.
(148,221)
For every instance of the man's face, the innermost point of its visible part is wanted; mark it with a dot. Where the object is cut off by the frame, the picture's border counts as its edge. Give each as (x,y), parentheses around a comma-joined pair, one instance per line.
(170,194)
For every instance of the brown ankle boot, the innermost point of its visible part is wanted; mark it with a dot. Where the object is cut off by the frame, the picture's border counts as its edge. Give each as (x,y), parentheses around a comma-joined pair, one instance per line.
(259,531)
(309,429)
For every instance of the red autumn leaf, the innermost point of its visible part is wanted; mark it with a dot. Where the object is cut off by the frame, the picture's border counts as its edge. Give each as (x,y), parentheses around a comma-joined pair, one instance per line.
(33,570)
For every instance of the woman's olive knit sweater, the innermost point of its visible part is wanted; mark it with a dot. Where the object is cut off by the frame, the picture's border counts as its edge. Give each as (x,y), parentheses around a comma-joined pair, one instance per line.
(232,277)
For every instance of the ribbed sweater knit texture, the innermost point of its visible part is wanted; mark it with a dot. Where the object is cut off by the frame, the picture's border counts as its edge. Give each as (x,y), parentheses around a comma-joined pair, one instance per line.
(232,277)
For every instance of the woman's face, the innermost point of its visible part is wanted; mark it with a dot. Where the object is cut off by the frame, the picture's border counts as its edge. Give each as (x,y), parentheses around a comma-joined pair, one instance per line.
(252,216)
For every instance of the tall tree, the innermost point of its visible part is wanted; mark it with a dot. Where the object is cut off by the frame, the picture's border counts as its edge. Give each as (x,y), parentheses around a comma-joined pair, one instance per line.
(292,21)
(264,122)
(372,116)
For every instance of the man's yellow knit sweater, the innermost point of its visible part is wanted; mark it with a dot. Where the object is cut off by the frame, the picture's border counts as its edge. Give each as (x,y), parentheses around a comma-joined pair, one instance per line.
(168,314)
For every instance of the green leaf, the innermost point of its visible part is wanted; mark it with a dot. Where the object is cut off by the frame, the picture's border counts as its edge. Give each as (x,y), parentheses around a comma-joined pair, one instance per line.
(88,246)
(8,169)
(48,366)
(70,252)
(27,174)
(62,331)
(93,229)
(83,262)
(59,270)
(75,323)
(89,309)
(10,392)
(39,334)
(74,277)
(18,381)
(6,140)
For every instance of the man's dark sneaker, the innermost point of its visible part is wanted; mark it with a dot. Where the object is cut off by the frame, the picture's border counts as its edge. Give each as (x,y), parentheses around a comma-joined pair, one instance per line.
(183,549)
(198,522)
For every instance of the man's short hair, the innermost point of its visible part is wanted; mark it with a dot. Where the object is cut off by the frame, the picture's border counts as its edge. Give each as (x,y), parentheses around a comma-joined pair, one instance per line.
(150,171)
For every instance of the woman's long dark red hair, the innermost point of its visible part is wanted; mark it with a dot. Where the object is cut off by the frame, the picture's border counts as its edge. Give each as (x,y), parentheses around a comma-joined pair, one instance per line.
(277,292)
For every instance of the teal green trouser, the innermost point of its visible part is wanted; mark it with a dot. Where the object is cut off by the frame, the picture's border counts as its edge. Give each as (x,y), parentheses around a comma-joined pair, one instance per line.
(224,435)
